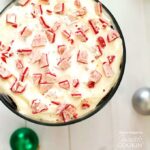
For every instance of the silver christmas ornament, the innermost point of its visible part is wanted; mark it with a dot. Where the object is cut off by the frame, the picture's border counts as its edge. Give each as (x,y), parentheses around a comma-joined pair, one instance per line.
(141,101)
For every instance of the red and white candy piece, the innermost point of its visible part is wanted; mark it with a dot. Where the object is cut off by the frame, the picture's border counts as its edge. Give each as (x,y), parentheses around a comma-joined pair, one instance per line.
(111,59)
(49,12)
(82,56)
(104,22)
(11,19)
(24,51)
(37,77)
(44,1)
(43,22)
(55,103)
(97,51)
(107,70)
(112,35)
(56,26)
(26,32)
(67,112)
(23,2)
(98,8)
(77,3)
(65,84)
(4,73)
(18,87)
(76,95)
(75,83)
(38,107)
(49,77)
(66,34)
(85,104)
(66,116)
(59,8)
(101,42)
(51,36)
(24,74)
(95,76)
(44,61)
(81,36)
(39,40)
(94,25)
(61,49)
(44,87)
(35,55)
(19,64)
(81,12)
(61,108)
(64,63)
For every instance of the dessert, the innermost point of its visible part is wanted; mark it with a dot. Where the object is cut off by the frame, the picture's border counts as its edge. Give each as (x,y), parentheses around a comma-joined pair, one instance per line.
(58,59)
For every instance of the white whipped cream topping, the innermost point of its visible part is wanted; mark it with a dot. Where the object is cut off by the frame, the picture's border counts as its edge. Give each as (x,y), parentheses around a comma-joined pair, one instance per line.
(76,70)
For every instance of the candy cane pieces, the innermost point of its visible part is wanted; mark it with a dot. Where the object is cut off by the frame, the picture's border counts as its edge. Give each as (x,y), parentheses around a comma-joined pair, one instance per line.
(51,36)
(4,73)
(82,57)
(11,19)
(64,84)
(23,2)
(26,32)
(95,76)
(94,25)
(66,34)
(24,74)
(76,95)
(44,1)
(39,40)
(59,8)
(104,22)
(77,3)
(24,51)
(50,77)
(111,59)
(56,26)
(101,42)
(38,107)
(19,64)
(67,112)
(18,87)
(44,61)
(112,35)
(85,104)
(43,22)
(61,49)
(44,87)
(81,12)
(64,64)
(81,35)
(37,77)
(98,51)
(98,8)
(107,70)
(75,83)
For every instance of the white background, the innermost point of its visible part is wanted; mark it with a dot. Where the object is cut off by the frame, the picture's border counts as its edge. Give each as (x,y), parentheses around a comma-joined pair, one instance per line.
(110,128)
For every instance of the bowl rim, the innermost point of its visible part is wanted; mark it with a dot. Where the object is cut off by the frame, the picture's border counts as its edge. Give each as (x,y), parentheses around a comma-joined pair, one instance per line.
(102,103)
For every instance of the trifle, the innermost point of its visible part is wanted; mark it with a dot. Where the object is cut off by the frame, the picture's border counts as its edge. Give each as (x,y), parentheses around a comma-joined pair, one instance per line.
(58,58)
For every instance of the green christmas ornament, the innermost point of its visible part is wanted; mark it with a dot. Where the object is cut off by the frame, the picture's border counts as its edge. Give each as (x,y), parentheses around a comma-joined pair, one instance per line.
(24,139)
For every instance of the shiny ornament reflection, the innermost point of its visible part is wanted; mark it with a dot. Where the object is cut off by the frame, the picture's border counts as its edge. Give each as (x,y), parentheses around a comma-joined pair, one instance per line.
(141,101)
(24,139)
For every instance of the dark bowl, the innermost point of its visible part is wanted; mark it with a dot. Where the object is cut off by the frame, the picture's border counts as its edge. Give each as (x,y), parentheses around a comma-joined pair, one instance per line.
(8,102)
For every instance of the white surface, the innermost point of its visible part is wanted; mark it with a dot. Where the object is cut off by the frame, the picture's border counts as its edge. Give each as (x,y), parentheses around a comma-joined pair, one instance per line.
(117,124)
